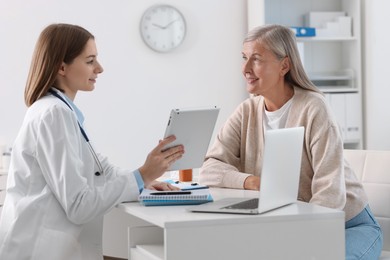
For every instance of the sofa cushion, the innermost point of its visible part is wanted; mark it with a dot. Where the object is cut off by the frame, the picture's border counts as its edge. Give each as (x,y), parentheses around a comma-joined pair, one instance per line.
(373,169)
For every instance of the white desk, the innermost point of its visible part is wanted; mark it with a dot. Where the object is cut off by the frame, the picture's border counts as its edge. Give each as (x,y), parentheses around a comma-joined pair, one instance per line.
(298,231)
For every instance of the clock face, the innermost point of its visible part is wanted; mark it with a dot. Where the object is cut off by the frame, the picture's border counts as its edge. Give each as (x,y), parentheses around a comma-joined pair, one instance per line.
(162,28)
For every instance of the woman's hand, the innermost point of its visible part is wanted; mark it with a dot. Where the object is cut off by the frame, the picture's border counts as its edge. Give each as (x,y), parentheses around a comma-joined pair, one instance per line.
(159,160)
(252,183)
(157,185)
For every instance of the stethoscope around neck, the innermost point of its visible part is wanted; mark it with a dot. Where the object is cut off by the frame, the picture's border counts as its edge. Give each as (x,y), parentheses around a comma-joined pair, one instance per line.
(54,93)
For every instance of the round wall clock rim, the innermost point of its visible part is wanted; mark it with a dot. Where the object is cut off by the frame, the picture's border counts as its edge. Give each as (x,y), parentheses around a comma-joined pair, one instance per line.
(147,11)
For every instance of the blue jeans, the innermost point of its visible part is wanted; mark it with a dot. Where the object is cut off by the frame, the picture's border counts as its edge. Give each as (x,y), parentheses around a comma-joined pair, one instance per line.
(363,237)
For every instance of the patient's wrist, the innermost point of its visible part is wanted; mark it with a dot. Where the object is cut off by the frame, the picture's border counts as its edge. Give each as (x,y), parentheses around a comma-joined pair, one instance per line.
(252,183)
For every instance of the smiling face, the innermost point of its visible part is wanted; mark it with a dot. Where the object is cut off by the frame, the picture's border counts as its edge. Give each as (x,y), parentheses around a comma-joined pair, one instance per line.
(263,72)
(81,73)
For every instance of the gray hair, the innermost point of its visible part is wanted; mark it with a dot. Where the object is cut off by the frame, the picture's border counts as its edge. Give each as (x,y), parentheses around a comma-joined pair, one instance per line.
(281,42)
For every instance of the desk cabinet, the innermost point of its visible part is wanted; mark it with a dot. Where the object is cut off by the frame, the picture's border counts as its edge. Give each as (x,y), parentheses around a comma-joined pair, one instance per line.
(298,231)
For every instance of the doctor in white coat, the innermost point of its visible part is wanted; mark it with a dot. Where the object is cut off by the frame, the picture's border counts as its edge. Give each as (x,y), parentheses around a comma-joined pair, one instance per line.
(58,187)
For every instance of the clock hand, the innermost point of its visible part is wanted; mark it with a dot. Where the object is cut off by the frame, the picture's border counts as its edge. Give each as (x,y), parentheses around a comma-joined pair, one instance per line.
(166,26)
(159,26)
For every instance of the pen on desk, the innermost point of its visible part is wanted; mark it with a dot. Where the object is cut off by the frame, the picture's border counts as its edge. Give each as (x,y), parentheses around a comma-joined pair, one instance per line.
(171,193)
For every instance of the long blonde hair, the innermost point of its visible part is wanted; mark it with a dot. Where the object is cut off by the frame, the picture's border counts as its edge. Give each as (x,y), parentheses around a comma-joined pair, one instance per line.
(57,43)
(281,42)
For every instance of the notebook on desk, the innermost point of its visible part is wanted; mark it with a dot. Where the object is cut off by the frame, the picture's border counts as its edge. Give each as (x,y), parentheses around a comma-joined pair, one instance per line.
(279,178)
(182,197)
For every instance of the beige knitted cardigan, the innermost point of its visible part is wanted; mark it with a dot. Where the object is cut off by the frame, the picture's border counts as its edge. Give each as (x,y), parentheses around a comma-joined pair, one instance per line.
(326,178)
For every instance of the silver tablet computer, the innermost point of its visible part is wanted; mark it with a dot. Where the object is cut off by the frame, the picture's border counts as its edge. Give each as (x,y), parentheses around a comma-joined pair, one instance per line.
(193,128)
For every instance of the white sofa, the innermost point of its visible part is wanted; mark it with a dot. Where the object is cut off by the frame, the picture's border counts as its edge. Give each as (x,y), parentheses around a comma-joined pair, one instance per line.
(373,169)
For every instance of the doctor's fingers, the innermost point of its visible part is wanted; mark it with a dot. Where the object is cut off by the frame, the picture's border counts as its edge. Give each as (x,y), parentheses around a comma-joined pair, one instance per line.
(164,142)
(156,185)
(171,159)
(173,152)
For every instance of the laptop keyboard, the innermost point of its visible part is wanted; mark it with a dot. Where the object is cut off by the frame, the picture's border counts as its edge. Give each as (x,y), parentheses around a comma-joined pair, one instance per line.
(247,204)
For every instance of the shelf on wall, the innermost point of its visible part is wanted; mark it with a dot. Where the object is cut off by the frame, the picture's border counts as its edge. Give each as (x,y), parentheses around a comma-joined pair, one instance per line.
(337,89)
(335,82)
(325,39)
(333,62)
(351,141)
(346,74)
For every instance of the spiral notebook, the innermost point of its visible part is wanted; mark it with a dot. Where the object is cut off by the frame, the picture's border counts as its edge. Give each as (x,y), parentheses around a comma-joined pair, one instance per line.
(196,197)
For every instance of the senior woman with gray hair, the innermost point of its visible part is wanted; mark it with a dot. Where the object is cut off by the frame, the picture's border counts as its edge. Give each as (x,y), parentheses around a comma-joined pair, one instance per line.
(283,97)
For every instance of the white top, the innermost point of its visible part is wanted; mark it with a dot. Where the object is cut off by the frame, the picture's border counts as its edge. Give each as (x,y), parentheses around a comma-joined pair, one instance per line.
(277,119)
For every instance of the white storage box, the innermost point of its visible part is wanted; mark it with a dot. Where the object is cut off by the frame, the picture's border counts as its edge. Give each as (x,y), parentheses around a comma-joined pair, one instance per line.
(330,24)
(319,19)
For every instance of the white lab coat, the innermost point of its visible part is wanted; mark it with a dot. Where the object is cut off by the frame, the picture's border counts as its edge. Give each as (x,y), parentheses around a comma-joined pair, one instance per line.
(55,203)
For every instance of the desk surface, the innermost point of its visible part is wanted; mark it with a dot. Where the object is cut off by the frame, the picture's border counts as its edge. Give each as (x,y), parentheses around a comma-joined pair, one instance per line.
(174,216)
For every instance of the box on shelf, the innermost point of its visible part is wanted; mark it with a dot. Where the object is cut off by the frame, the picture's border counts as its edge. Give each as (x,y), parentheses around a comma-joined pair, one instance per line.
(319,19)
(304,31)
(330,24)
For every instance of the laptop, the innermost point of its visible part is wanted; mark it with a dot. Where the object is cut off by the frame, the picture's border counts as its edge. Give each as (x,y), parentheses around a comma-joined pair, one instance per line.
(279,178)
(193,128)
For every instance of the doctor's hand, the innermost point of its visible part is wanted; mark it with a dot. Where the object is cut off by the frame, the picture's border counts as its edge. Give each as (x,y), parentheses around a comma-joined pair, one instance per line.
(159,160)
(158,185)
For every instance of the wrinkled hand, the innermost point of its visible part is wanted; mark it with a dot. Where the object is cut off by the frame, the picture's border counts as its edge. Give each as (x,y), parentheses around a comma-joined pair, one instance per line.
(252,183)
(157,185)
(159,160)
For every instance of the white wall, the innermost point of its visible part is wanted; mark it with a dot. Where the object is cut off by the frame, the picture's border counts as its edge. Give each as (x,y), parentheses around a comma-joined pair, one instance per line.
(376,44)
(127,113)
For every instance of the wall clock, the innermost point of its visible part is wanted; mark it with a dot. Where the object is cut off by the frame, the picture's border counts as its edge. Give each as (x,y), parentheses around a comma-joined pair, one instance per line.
(163,28)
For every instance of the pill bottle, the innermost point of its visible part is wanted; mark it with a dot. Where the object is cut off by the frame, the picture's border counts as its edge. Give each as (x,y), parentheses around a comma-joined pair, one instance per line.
(185,175)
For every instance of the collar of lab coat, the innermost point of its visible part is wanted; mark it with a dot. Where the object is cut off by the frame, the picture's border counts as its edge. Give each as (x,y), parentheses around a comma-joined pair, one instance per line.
(79,114)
